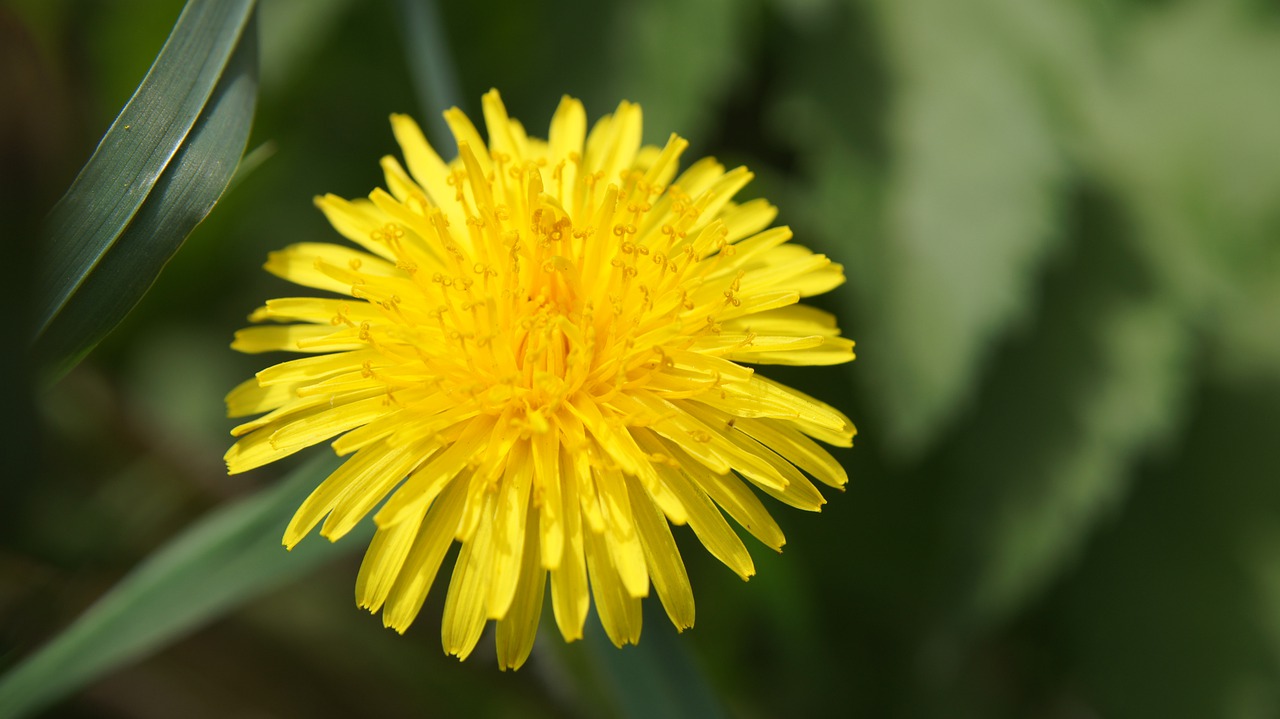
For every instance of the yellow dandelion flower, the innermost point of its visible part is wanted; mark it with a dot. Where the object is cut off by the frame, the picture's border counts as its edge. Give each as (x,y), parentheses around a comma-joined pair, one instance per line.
(538,352)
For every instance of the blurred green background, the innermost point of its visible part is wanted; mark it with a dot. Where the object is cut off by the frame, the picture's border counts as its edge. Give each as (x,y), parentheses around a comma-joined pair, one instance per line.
(1060,225)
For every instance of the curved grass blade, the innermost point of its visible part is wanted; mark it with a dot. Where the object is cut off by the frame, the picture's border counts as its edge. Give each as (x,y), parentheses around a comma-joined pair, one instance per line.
(156,173)
(435,80)
(226,559)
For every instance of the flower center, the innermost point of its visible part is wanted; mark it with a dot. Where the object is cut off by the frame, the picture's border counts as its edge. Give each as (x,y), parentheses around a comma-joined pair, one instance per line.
(555,295)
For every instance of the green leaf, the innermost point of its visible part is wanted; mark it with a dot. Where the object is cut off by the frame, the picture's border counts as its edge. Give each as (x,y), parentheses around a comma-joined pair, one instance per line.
(1134,403)
(1173,611)
(971,209)
(679,60)
(1066,416)
(1248,345)
(431,66)
(1186,129)
(1197,158)
(226,559)
(154,176)
(654,678)
(294,33)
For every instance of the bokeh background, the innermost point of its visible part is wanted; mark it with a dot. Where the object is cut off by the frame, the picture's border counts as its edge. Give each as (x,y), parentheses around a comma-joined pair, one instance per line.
(1059,222)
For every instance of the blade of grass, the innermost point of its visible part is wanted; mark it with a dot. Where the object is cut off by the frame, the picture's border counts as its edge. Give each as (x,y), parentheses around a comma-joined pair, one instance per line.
(226,559)
(180,200)
(156,173)
(430,64)
(654,678)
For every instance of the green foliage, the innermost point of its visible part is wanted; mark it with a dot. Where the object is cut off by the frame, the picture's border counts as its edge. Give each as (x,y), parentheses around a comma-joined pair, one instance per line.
(155,175)
(217,563)
(1172,612)
(971,206)
(430,64)
(679,60)
(656,677)
(1026,506)
(1200,178)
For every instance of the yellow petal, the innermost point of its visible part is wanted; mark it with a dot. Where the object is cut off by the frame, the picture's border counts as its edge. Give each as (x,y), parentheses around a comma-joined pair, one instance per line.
(714,198)
(368,490)
(342,387)
(477,177)
(421,566)
(699,176)
(298,264)
(418,241)
(620,536)
(465,133)
(751,347)
(316,310)
(565,138)
(666,568)
(765,395)
(547,482)
(314,369)
(619,611)
(749,254)
(658,492)
(749,304)
(568,129)
(612,438)
(707,427)
(614,141)
(830,351)
(425,165)
(501,137)
(570,597)
(705,520)
(262,444)
(249,397)
(509,530)
(664,166)
(296,338)
(584,464)
(736,498)
(311,428)
(364,466)
(464,607)
(372,432)
(399,183)
(795,320)
(435,474)
(517,630)
(382,562)
(748,218)
(359,221)
(797,449)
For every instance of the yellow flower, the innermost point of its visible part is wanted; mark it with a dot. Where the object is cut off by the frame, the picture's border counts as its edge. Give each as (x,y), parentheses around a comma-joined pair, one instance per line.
(538,353)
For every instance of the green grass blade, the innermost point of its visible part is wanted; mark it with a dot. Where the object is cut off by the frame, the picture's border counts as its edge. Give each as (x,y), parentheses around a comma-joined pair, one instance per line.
(654,678)
(229,557)
(431,66)
(181,198)
(154,176)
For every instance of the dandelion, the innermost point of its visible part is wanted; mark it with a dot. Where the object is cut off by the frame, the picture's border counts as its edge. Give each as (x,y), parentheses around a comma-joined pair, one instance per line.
(540,352)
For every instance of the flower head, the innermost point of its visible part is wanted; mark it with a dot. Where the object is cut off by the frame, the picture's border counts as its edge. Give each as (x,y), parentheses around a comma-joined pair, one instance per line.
(539,352)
